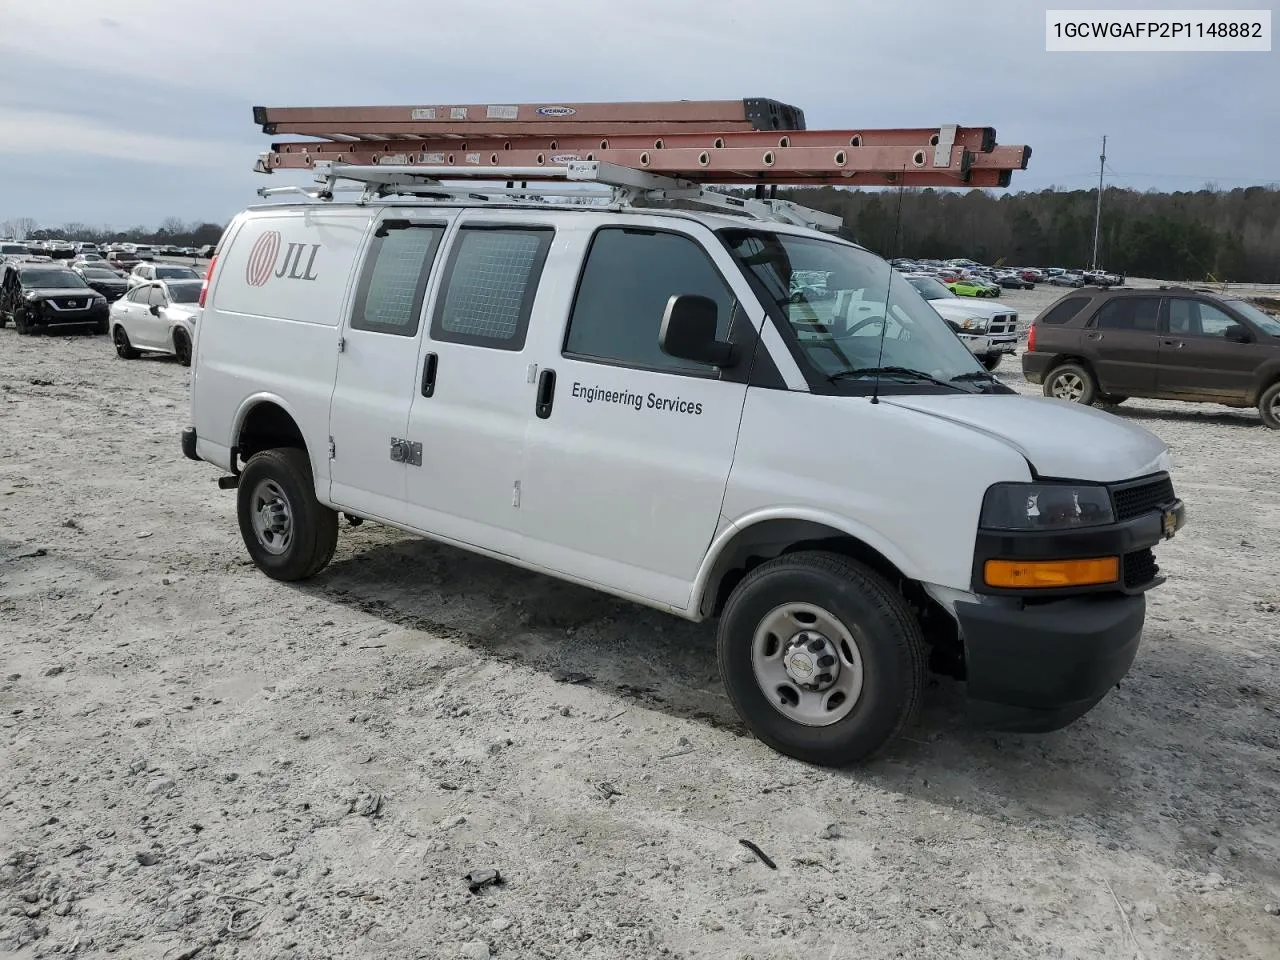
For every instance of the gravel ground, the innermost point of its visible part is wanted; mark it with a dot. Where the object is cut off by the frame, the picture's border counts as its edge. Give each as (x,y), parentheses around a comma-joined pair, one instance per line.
(196,761)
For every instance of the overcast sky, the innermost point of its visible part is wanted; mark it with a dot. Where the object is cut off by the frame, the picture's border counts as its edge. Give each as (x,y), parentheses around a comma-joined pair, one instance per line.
(129,111)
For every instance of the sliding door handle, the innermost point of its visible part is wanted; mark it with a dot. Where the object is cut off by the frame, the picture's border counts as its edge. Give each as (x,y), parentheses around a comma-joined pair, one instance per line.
(429,375)
(546,393)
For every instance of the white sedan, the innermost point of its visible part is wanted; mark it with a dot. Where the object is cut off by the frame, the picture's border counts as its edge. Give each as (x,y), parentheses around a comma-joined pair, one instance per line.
(157,317)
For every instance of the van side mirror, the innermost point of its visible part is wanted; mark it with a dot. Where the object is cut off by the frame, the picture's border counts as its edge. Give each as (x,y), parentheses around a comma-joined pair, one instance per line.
(1237,334)
(688,331)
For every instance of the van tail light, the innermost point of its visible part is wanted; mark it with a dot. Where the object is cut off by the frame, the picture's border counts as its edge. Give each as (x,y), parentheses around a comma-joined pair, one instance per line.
(208,275)
(1031,334)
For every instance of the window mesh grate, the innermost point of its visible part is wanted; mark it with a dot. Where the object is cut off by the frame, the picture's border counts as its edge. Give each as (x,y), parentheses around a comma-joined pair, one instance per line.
(488,284)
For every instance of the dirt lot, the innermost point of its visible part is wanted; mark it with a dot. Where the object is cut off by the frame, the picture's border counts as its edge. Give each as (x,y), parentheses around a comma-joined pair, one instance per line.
(200,762)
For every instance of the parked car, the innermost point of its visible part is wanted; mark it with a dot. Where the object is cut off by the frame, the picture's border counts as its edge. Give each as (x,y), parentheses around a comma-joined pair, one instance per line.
(157,317)
(148,272)
(971,287)
(1065,279)
(122,260)
(1101,278)
(99,277)
(42,296)
(1172,343)
(13,249)
(1035,276)
(615,419)
(1014,281)
(989,331)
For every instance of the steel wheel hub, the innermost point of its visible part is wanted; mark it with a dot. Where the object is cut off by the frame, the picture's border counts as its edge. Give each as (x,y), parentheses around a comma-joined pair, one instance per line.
(272,518)
(807,664)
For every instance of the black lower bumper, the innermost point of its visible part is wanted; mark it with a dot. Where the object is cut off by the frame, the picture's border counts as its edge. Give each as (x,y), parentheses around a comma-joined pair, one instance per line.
(1035,366)
(1039,668)
(189,443)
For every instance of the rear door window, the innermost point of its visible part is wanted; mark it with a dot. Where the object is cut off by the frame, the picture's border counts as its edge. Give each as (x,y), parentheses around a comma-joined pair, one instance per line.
(1137,314)
(1064,311)
(394,282)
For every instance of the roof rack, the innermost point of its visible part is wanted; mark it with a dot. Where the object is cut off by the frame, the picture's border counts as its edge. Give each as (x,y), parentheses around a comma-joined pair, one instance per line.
(642,151)
(626,187)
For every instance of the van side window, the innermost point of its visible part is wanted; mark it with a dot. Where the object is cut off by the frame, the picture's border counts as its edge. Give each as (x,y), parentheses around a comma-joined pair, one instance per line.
(1064,311)
(489,286)
(394,282)
(626,282)
(1139,314)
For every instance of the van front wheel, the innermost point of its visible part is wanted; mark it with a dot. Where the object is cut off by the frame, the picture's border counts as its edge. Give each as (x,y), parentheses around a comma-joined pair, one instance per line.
(821,658)
(289,534)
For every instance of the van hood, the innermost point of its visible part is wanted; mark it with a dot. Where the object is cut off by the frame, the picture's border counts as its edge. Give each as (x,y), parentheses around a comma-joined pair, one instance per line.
(1058,438)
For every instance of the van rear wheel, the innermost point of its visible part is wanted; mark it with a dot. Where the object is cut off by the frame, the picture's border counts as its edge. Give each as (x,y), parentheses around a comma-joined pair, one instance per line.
(289,534)
(821,658)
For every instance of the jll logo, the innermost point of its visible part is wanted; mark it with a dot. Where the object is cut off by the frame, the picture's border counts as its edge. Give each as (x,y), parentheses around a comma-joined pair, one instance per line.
(265,253)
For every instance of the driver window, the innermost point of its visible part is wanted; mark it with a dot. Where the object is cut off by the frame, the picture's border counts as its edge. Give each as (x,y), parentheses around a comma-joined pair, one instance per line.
(157,298)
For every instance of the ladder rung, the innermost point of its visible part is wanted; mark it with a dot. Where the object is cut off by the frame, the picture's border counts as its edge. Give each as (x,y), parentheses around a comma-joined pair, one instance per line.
(977,139)
(747,114)
(831,164)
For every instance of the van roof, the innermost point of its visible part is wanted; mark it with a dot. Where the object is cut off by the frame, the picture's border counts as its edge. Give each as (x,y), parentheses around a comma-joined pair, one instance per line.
(713,220)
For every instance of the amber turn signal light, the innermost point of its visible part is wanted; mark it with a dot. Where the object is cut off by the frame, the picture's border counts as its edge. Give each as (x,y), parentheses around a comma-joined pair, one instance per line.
(1047,574)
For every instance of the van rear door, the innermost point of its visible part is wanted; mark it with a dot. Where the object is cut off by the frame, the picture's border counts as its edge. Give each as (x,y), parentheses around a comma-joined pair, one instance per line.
(377,365)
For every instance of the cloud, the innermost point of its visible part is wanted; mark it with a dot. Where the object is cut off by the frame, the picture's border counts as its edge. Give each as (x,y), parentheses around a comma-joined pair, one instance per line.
(48,134)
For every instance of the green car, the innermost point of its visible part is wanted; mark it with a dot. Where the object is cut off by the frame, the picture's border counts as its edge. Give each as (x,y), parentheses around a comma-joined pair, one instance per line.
(973,287)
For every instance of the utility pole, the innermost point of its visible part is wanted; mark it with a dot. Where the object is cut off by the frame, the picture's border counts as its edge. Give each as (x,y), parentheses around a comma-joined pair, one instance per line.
(1097,220)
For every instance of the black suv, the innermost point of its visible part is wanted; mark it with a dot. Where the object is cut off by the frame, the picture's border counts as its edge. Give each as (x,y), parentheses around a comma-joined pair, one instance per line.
(1170,343)
(38,296)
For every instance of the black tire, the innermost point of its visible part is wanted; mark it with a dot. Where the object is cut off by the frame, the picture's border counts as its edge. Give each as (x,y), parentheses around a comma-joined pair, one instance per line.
(3,320)
(1073,382)
(20,322)
(182,347)
(1111,399)
(103,326)
(991,361)
(1269,406)
(124,349)
(888,641)
(313,528)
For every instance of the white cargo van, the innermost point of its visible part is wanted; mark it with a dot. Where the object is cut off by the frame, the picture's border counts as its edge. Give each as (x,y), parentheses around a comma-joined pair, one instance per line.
(720,416)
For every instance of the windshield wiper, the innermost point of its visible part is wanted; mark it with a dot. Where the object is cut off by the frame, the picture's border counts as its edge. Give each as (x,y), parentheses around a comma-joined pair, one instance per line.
(892,372)
(975,375)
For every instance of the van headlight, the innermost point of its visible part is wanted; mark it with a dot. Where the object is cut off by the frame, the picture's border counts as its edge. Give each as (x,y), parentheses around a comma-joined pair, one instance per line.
(1045,506)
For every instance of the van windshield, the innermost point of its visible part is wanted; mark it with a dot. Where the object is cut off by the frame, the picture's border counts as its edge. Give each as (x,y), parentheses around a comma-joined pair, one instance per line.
(841,302)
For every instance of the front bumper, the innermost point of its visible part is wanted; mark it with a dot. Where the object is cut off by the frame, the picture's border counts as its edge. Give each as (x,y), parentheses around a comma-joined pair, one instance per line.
(1039,668)
(47,314)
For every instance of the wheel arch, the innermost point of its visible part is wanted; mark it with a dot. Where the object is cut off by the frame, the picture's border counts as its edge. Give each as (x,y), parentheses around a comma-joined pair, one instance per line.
(752,540)
(264,421)
(761,536)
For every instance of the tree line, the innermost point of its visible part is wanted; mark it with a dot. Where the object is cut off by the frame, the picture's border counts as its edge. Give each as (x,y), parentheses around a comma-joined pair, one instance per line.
(172,231)
(1202,235)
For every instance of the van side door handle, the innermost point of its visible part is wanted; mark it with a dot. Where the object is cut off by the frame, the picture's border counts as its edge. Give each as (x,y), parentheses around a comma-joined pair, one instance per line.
(546,393)
(429,374)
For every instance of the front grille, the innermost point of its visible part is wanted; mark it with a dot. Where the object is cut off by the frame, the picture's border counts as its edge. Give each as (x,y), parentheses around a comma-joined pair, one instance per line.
(1139,568)
(1003,323)
(69,303)
(1135,499)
